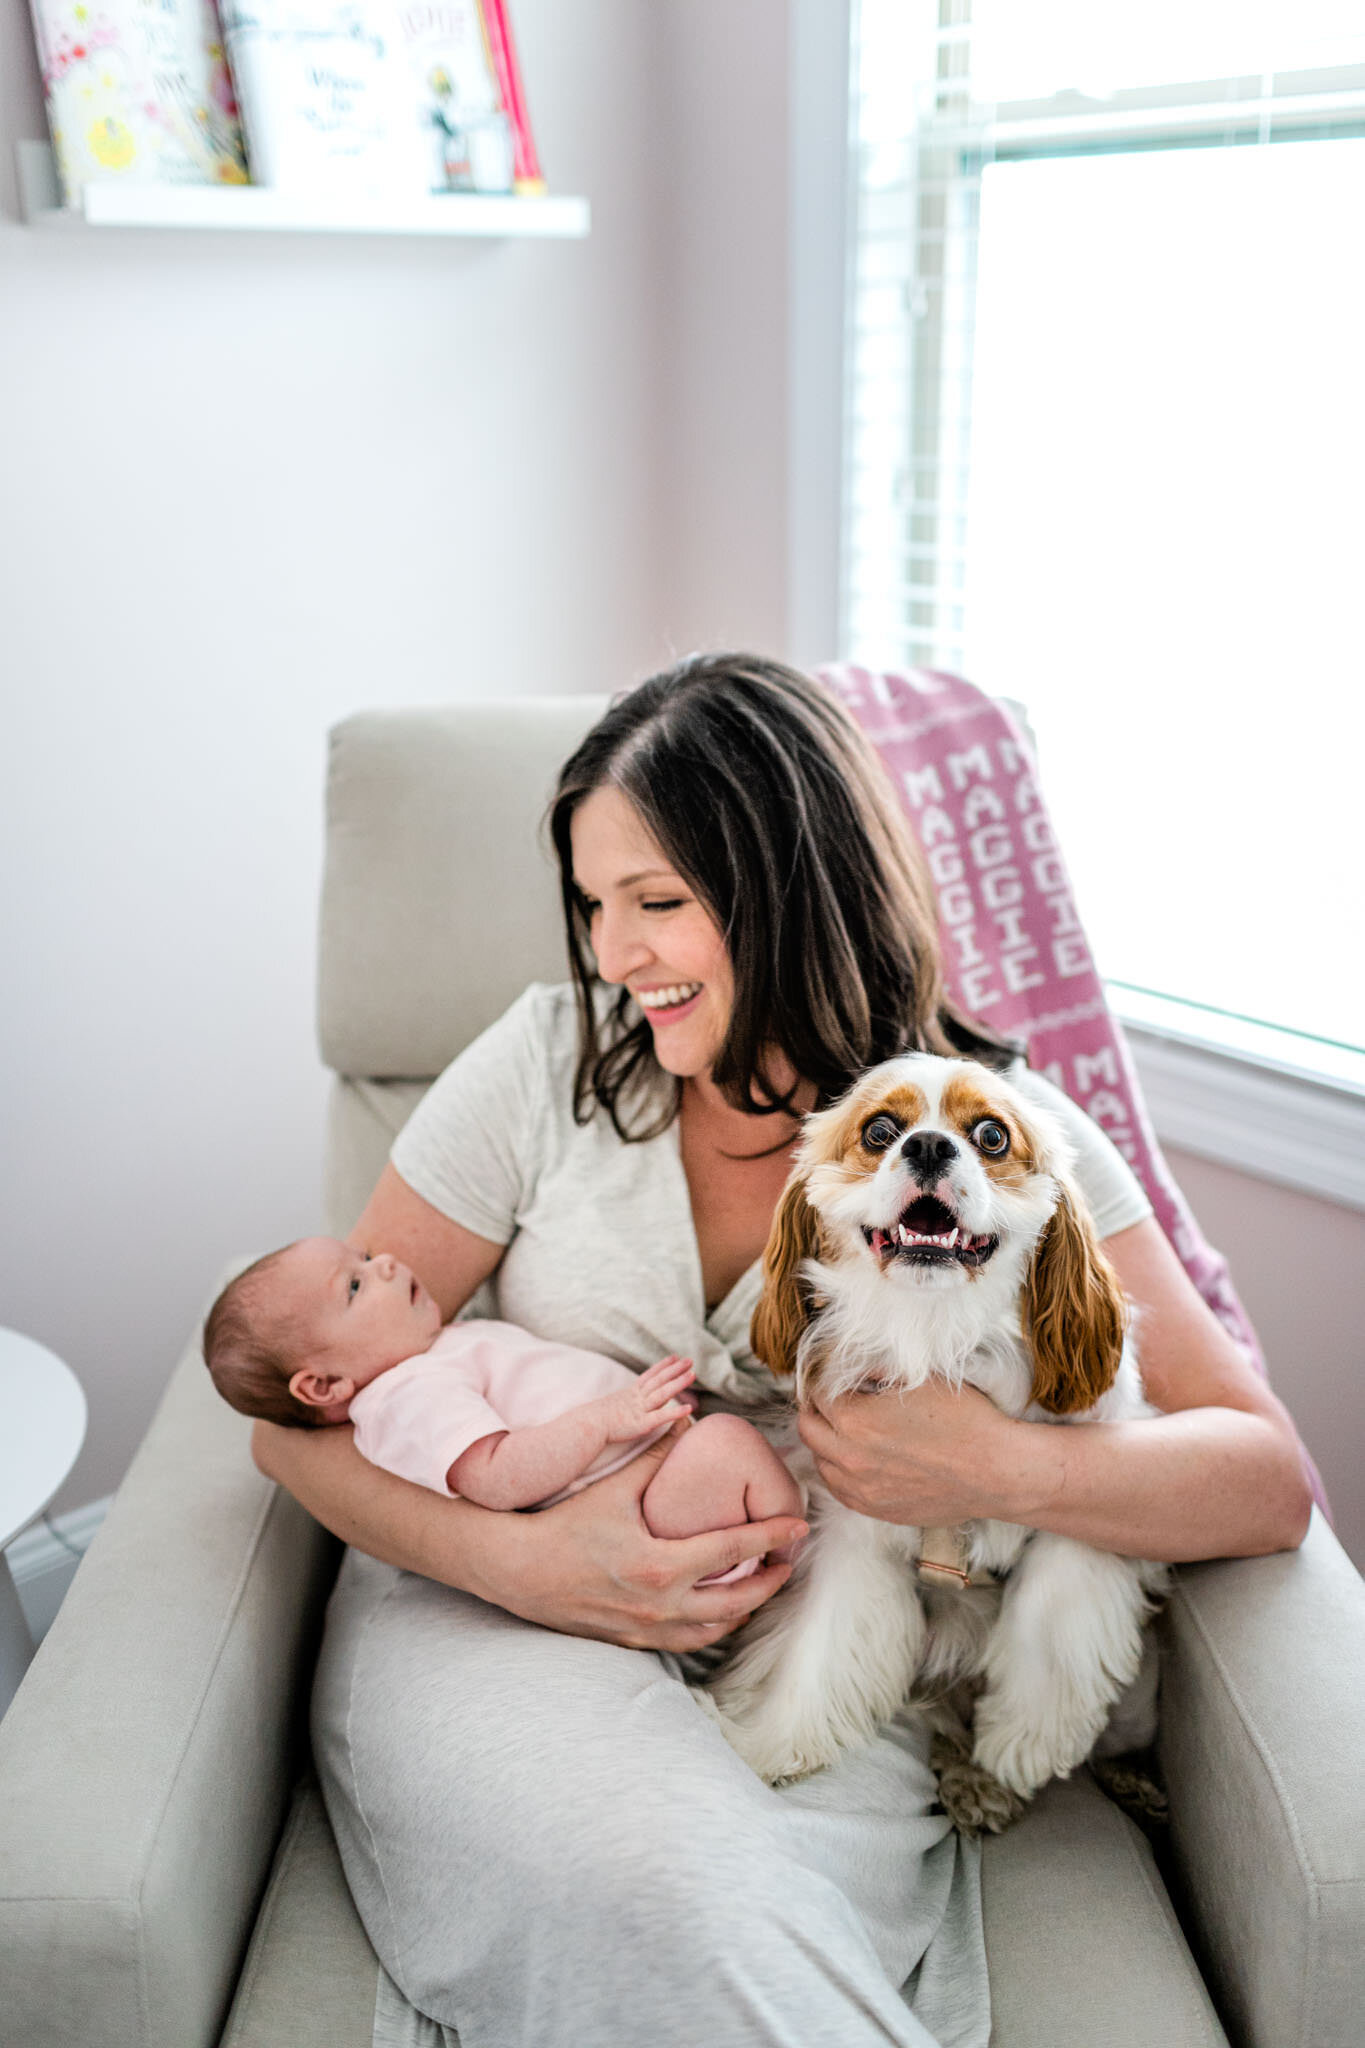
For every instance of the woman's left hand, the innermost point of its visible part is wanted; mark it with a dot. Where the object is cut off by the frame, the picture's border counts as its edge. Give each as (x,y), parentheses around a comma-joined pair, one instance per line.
(931,1457)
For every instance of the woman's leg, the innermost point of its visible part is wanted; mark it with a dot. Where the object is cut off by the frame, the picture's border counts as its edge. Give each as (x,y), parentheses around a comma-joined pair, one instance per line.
(551,1845)
(871,1823)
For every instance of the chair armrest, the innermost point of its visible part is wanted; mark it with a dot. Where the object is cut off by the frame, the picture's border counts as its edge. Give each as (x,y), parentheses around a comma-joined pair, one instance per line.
(146,1761)
(1262,1736)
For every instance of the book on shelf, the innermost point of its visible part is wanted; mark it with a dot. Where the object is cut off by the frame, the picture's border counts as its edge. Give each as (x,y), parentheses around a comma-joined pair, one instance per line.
(456,97)
(382,98)
(526,170)
(138,91)
(322,99)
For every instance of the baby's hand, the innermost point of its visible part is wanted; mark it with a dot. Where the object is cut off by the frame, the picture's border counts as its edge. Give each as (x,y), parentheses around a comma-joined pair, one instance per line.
(651,1402)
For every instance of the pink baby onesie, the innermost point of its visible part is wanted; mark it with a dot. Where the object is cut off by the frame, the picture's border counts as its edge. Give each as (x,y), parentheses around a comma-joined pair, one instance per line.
(478,1379)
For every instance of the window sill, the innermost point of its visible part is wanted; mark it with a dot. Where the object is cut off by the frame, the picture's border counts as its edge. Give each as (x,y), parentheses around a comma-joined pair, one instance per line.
(1267,1102)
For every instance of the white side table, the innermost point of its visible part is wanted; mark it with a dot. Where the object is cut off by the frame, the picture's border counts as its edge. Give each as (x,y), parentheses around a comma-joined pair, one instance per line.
(42,1427)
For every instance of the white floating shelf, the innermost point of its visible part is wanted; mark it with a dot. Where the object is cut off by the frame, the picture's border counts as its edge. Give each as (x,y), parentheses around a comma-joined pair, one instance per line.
(121,205)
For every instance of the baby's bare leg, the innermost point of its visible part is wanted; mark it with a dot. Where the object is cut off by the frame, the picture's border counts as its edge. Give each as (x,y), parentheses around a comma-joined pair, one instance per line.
(719,1473)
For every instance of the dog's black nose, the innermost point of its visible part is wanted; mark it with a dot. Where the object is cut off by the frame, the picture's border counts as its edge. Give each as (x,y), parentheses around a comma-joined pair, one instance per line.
(928,1154)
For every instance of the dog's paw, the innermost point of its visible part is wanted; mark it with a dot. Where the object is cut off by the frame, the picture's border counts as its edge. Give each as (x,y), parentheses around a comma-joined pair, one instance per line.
(1131,1782)
(975,1802)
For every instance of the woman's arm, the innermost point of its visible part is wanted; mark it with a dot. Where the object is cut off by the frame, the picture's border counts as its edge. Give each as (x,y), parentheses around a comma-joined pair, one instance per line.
(1217,1474)
(449,1260)
(589,1567)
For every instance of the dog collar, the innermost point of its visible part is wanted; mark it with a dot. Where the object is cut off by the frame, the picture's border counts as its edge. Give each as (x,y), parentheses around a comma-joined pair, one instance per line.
(943,1559)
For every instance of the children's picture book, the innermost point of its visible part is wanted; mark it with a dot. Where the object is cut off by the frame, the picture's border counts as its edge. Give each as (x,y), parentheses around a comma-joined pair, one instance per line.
(381,96)
(138,90)
(324,96)
(456,97)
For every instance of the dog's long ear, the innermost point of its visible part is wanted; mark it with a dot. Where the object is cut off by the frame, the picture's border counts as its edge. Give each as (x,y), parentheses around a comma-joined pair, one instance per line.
(1076,1310)
(785,1306)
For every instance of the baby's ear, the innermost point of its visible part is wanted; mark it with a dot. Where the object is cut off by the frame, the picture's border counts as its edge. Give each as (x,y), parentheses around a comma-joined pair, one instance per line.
(321,1389)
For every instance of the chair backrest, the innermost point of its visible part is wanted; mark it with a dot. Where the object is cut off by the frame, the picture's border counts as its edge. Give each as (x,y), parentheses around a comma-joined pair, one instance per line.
(439,904)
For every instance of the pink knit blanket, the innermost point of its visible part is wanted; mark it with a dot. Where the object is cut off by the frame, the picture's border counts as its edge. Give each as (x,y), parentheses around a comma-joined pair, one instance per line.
(1015,955)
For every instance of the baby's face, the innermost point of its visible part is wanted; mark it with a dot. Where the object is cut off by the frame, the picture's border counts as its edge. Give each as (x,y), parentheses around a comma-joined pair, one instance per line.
(351,1314)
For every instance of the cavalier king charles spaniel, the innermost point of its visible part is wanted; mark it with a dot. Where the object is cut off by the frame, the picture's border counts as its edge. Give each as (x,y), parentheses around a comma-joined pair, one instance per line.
(931,1229)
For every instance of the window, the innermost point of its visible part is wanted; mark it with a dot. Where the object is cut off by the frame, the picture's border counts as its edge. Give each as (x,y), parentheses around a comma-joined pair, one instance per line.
(1105,436)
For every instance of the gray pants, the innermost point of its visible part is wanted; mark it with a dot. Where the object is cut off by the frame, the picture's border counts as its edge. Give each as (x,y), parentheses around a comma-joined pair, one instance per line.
(552,1846)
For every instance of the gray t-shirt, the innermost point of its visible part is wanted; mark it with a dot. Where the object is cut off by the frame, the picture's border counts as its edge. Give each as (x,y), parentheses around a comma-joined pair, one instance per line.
(601,1250)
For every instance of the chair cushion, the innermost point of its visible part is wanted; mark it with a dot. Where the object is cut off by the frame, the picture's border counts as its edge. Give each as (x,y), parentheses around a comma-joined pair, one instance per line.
(310,1975)
(1084,1948)
(1082,1942)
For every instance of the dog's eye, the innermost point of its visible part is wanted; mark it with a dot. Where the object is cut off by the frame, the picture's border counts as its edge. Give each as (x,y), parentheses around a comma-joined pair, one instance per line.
(991,1138)
(879,1132)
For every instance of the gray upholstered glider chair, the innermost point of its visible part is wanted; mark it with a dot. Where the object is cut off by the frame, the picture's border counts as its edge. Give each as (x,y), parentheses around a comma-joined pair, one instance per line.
(167,1878)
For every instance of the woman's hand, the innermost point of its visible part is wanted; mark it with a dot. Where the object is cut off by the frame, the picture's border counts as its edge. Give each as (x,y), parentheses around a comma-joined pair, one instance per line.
(930,1457)
(590,1567)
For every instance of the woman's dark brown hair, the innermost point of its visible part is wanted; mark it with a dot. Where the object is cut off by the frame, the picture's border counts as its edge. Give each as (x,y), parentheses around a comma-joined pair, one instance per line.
(772,805)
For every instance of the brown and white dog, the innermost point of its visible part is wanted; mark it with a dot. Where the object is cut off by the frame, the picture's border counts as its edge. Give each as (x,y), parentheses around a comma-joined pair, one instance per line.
(930,1229)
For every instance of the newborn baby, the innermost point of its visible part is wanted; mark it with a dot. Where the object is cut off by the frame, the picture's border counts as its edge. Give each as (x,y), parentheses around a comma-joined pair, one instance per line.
(321,1333)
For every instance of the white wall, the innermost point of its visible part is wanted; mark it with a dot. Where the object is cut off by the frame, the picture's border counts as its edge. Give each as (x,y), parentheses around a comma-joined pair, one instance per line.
(723,137)
(250,484)
(1299,1266)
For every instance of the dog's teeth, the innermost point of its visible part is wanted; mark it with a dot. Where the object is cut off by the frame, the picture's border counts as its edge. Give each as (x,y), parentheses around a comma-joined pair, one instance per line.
(956,1239)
